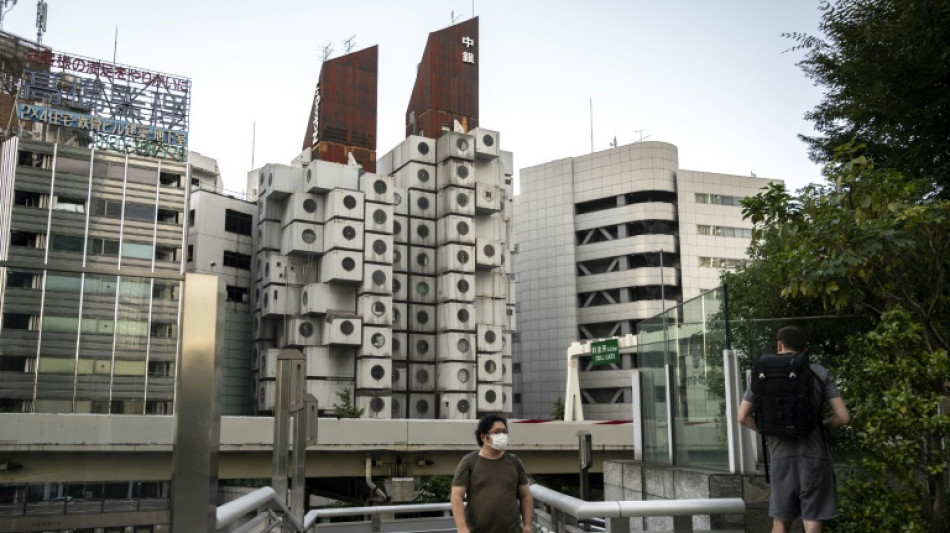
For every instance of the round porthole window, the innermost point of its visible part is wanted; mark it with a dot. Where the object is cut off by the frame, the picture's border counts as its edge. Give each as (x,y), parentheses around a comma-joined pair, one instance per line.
(308,236)
(489,250)
(397,198)
(422,259)
(487,140)
(397,256)
(462,256)
(380,187)
(379,308)
(462,144)
(490,336)
(262,177)
(463,315)
(378,340)
(462,228)
(305,329)
(397,286)
(422,231)
(462,199)
(423,203)
(348,264)
(379,277)
(423,175)
(422,317)
(396,344)
(490,396)
(379,246)
(347,328)
(422,288)
(397,227)
(463,406)
(379,216)
(490,366)
(463,345)
(463,376)
(349,202)
(378,372)
(462,285)
(462,172)
(423,148)
(422,406)
(310,205)
(304,299)
(377,404)
(422,347)
(422,375)
(309,174)
(349,233)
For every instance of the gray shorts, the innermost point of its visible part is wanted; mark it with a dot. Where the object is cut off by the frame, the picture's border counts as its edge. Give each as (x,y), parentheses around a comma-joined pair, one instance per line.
(803,486)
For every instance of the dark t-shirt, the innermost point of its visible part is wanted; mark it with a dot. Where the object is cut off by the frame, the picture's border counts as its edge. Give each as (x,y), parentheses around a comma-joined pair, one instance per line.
(492,493)
(812,444)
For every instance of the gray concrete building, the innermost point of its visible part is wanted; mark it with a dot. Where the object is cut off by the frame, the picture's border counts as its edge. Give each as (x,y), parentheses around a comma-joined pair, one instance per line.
(592,233)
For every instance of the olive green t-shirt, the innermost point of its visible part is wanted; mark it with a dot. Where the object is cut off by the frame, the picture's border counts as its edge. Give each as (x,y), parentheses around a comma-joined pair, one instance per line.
(492,494)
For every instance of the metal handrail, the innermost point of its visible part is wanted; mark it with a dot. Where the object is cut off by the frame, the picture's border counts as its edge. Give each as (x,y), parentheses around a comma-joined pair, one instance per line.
(311,518)
(636,508)
(234,510)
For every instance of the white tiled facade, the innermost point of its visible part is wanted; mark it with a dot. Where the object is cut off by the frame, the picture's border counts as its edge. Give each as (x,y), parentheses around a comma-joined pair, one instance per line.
(589,234)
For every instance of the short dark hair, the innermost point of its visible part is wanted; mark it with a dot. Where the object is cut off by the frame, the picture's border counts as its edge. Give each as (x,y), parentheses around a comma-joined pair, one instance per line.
(793,337)
(485,424)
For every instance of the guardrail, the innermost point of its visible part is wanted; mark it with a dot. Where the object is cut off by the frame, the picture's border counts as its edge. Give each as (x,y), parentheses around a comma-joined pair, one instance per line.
(554,512)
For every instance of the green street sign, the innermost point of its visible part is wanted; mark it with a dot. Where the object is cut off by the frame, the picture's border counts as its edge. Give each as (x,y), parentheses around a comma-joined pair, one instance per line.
(604,352)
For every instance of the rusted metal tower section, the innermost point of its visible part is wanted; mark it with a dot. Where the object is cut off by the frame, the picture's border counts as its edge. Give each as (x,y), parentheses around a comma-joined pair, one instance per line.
(342,119)
(446,88)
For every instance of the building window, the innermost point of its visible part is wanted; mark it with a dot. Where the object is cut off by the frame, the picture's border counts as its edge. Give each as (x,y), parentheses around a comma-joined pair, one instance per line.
(718,199)
(30,199)
(71,205)
(67,243)
(516,397)
(140,212)
(235,222)
(720,262)
(167,179)
(516,368)
(236,260)
(191,218)
(168,216)
(724,231)
(237,294)
(191,253)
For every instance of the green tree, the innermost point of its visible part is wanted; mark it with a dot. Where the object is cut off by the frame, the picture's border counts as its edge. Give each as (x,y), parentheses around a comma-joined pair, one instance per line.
(346,409)
(868,242)
(557,410)
(885,69)
(433,489)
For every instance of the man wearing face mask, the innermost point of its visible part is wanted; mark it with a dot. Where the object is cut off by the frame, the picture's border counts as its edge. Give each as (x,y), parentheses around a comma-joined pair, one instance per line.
(495,484)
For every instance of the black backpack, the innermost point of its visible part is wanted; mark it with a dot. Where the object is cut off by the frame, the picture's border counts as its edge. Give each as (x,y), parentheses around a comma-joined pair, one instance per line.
(785,403)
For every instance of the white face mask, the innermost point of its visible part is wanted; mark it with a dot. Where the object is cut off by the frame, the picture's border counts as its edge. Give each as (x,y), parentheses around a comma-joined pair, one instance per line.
(499,441)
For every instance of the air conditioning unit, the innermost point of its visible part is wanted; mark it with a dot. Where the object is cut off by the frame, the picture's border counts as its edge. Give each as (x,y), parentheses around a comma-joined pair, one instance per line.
(507,399)
(422,204)
(456,346)
(454,145)
(488,254)
(421,232)
(325,362)
(377,279)
(342,234)
(421,377)
(456,201)
(343,203)
(422,260)
(326,391)
(400,402)
(413,149)
(378,249)
(421,289)
(266,395)
(489,367)
(400,376)
(400,344)
(490,311)
(268,363)
(506,345)
(377,188)
(279,300)
(304,207)
(400,258)
(487,199)
(422,406)
(324,176)
(285,270)
(379,218)
(341,267)
(400,287)
(374,373)
(487,143)
(455,172)
(342,331)
(400,201)
(511,312)
(375,309)
(302,239)
(277,181)
(268,235)
(491,284)
(458,229)
(422,347)
(322,298)
(490,398)
(456,376)
(300,332)
(457,258)
(422,318)
(456,287)
(456,316)
(456,405)
(269,209)
(401,229)
(420,176)
(400,316)
(376,406)
(489,338)
(377,342)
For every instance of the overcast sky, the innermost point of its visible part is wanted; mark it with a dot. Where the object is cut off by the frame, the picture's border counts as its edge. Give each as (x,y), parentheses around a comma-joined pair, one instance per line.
(708,76)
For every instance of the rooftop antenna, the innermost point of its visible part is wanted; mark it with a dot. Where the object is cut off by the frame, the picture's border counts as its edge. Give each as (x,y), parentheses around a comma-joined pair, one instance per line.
(349,43)
(613,143)
(640,133)
(41,10)
(454,18)
(327,51)
(4,10)
(591,125)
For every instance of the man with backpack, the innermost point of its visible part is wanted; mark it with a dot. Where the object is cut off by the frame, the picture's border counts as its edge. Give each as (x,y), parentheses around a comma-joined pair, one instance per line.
(783,402)
(495,484)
